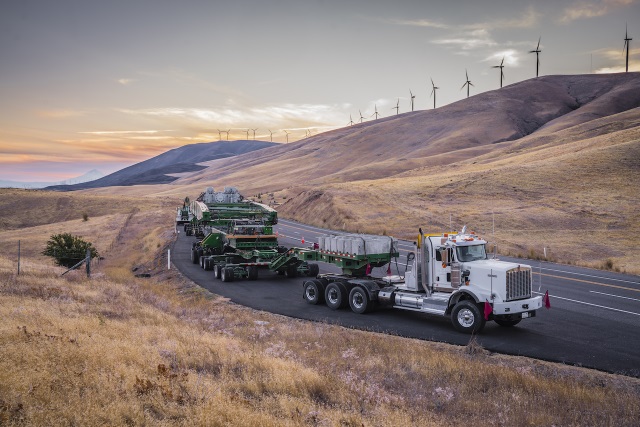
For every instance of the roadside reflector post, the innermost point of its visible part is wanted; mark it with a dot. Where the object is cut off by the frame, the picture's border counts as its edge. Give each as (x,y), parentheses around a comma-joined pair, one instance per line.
(168,259)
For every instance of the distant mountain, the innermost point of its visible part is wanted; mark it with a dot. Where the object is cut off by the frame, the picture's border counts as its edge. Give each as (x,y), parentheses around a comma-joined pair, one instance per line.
(158,170)
(89,176)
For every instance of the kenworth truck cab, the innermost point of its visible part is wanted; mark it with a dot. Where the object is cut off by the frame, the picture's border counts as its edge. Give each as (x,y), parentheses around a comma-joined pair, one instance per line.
(447,274)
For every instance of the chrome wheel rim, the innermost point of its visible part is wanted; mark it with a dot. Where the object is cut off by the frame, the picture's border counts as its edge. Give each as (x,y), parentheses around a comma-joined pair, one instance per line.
(466,318)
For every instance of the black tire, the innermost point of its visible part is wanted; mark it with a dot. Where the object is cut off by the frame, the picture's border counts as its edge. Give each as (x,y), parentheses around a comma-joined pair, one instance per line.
(314,270)
(227,274)
(252,272)
(312,292)
(201,261)
(217,271)
(194,256)
(359,300)
(291,271)
(466,317)
(507,322)
(335,296)
(207,264)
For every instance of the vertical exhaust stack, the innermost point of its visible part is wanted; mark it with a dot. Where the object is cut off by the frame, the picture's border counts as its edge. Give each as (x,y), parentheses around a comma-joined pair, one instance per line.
(423,263)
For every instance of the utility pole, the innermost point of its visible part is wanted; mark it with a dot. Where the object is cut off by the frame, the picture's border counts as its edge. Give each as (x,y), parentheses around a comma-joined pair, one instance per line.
(18,257)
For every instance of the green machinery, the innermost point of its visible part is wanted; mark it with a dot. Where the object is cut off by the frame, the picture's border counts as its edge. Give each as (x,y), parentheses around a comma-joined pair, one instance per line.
(218,209)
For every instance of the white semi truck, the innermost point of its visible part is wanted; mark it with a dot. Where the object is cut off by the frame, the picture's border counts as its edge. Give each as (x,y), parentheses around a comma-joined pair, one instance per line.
(447,274)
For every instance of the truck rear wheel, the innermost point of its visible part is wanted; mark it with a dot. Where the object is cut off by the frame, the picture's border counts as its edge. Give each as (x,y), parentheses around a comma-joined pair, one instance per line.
(216,271)
(252,272)
(466,317)
(227,274)
(312,292)
(334,296)
(314,269)
(194,256)
(359,301)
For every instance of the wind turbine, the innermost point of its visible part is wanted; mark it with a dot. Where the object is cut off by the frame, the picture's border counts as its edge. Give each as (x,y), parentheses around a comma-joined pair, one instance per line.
(228,134)
(247,132)
(501,66)
(270,135)
(627,39)
(397,107)
(361,117)
(433,92)
(467,83)
(254,133)
(351,122)
(219,134)
(412,98)
(537,52)
(287,134)
(376,112)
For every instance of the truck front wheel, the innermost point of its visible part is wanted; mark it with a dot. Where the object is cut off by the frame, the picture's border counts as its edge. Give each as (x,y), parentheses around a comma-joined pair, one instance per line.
(466,317)
(359,301)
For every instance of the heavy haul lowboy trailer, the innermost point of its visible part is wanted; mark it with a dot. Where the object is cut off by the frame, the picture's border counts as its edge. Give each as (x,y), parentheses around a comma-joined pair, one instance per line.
(447,275)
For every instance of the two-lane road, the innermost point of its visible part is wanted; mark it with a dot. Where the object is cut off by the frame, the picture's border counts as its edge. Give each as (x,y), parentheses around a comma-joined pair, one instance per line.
(594,320)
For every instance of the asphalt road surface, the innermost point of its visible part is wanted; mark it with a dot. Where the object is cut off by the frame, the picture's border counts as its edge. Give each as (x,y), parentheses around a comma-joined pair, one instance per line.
(594,320)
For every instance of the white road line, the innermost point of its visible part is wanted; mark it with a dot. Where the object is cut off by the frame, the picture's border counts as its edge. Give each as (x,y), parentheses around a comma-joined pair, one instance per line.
(617,296)
(590,275)
(588,303)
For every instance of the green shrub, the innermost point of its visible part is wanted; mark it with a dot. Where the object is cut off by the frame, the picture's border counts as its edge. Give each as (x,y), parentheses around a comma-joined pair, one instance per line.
(67,250)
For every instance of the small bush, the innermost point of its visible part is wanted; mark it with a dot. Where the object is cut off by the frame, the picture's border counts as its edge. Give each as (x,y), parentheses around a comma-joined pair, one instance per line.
(85,216)
(67,250)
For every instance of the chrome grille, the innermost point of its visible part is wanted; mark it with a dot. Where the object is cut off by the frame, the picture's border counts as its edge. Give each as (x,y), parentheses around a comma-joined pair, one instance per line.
(518,284)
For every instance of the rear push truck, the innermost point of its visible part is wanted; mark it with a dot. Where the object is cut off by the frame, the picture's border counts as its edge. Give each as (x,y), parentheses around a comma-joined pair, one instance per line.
(447,275)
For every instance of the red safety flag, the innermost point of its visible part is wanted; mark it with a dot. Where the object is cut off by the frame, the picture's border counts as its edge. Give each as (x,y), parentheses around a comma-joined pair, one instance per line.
(368,271)
(487,309)
(547,302)
(302,241)
(389,270)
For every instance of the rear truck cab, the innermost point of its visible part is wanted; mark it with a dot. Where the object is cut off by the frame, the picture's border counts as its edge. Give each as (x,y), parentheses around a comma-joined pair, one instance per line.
(447,274)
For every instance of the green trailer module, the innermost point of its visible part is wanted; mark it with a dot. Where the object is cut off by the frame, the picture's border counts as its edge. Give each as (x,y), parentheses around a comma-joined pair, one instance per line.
(244,248)
(218,209)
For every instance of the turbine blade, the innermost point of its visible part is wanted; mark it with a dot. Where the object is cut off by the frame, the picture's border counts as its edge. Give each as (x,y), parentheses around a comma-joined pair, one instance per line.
(538,47)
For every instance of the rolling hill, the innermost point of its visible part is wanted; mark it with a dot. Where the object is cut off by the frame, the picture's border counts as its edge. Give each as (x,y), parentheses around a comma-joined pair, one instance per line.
(163,168)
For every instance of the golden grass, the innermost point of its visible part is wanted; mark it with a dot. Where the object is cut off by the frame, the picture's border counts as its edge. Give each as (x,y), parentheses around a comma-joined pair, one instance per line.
(119,350)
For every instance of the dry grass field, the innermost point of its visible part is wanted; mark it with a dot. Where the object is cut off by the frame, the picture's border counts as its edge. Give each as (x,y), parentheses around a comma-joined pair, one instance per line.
(120,350)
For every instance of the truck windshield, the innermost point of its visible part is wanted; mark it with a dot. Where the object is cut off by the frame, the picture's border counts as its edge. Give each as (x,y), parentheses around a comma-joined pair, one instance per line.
(470,253)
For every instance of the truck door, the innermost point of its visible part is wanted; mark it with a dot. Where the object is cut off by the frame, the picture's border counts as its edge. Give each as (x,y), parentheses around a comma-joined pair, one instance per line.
(442,267)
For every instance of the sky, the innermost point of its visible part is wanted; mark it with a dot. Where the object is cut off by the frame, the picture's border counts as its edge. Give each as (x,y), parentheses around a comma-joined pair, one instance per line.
(90,84)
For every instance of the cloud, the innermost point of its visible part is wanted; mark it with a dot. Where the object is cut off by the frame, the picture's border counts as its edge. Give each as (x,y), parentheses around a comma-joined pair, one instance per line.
(124,132)
(528,19)
(591,9)
(125,81)
(510,56)
(469,40)
(282,116)
(419,23)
